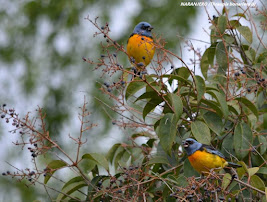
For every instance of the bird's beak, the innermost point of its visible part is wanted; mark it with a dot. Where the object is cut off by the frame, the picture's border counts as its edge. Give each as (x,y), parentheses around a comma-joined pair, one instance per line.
(150,28)
(185,144)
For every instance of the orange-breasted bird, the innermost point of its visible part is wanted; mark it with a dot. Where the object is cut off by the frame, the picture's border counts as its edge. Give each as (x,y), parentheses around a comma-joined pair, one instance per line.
(140,47)
(204,158)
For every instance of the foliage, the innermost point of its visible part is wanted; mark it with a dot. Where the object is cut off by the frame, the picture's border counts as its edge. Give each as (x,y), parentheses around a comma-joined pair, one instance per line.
(225,108)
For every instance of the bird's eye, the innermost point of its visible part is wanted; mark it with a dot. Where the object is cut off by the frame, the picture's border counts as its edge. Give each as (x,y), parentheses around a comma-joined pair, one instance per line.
(190,142)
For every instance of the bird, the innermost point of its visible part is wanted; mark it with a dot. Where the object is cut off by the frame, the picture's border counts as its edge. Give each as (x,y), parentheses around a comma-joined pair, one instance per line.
(140,47)
(205,158)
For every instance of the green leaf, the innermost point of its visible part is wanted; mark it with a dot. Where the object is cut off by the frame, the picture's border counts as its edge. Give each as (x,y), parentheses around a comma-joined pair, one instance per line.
(227,178)
(245,32)
(133,87)
(178,78)
(262,58)
(52,167)
(151,105)
(166,131)
(149,95)
(256,182)
(183,72)
(263,142)
(222,23)
(240,15)
(207,60)
(228,39)
(242,140)
(220,97)
(249,105)
(234,24)
(214,35)
(158,159)
(112,151)
(263,170)
(72,187)
(73,180)
(251,54)
(221,58)
(214,122)
(252,171)
(201,132)
(213,105)
(200,86)
(176,104)
(98,158)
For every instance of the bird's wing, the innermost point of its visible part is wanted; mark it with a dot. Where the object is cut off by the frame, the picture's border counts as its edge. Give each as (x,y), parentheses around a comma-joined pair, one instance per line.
(211,150)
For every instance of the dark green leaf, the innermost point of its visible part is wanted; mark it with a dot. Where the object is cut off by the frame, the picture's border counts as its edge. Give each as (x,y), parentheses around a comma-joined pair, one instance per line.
(207,60)
(52,167)
(200,86)
(201,132)
(227,178)
(249,105)
(246,33)
(214,35)
(176,104)
(222,22)
(72,187)
(228,39)
(234,24)
(158,159)
(178,78)
(151,105)
(149,95)
(251,54)
(112,151)
(256,182)
(133,87)
(214,122)
(73,180)
(166,131)
(220,97)
(262,58)
(98,158)
(240,15)
(213,105)
(221,58)
(263,170)
(242,140)
(263,142)
(183,72)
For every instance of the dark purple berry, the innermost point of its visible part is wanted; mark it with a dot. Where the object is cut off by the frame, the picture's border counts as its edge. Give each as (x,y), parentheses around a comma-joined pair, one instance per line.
(237,74)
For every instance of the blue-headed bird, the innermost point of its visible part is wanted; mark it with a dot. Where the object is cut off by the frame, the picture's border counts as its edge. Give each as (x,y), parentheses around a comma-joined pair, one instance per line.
(205,158)
(140,47)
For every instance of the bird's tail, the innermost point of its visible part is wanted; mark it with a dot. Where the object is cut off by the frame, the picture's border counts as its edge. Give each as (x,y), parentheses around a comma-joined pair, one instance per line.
(234,165)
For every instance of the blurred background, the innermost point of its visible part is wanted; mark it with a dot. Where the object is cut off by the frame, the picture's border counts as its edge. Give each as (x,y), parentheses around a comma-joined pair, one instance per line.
(41,48)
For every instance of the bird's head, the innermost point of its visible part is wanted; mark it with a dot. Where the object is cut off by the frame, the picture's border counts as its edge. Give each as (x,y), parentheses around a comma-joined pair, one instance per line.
(143,28)
(191,146)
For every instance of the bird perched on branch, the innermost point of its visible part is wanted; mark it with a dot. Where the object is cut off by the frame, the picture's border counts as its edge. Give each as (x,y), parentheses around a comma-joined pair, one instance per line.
(140,47)
(204,158)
